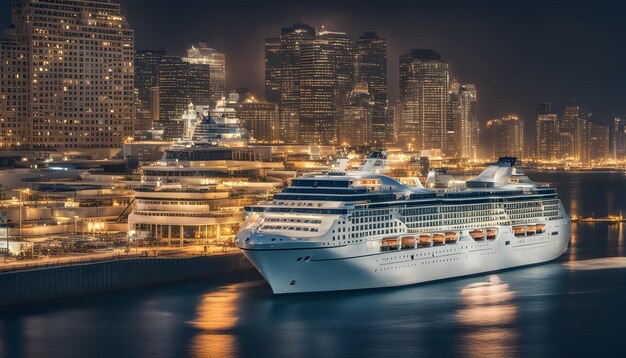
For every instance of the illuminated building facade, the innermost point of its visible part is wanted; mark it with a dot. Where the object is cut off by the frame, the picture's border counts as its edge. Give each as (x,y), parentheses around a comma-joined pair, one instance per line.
(273,61)
(15,105)
(146,86)
(355,127)
(423,96)
(260,119)
(547,137)
(326,78)
(461,133)
(291,39)
(371,68)
(181,82)
(598,142)
(618,138)
(201,54)
(507,136)
(81,89)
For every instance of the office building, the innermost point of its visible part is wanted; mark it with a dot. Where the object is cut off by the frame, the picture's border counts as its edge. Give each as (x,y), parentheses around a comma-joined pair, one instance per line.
(291,39)
(355,126)
(507,137)
(547,137)
(80,89)
(423,95)
(146,87)
(260,119)
(273,62)
(371,68)
(326,79)
(201,54)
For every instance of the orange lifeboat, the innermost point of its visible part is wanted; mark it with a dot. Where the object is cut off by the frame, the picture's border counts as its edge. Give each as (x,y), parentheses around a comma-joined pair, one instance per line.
(477,235)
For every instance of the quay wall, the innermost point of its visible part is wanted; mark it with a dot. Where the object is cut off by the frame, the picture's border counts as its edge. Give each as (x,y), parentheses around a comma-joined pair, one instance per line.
(36,285)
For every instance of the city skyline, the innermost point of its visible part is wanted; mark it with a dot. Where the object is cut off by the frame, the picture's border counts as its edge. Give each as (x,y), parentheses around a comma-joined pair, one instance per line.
(542,55)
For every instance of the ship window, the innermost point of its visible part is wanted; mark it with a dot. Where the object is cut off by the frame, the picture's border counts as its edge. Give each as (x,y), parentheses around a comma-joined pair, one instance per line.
(307,258)
(299,259)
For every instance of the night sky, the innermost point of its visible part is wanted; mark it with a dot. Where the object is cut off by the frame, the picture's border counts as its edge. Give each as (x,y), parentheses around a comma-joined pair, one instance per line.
(518,53)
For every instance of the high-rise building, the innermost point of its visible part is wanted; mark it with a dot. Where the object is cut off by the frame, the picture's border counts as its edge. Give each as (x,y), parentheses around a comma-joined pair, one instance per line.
(260,119)
(423,95)
(291,39)
(371,67)
(273,63)
(461,136)
(172,84)
(569,143)
(355,125)
(146,81)
(547,135)
(15,99)
(202,54)
(598,142)
(80,89)
(453,120)
(326,79)
(507,137)
(181,82)
(618,138)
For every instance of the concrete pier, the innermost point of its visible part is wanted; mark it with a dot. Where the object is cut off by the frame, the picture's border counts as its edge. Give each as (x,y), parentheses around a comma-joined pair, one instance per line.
(37,285)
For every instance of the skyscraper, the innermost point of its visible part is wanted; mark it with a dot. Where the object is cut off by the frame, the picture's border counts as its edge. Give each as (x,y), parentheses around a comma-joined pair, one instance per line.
(80,89)
(15,99)
(618,138)
(461,121)
(181,82)
(146,81)
(260,119)
(507,136)
(423,96)
(355,123)
(326,79)
(598,142)
(569,143)
(291,38)
(273,62)
(371,68)
(547,133)
(201,54)
(173,93)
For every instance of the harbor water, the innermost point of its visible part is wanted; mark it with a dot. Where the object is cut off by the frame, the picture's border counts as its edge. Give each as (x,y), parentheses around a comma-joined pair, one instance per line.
(572,307)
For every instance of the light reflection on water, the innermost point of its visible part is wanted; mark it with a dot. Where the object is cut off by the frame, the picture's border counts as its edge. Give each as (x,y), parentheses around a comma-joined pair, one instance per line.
(217,315)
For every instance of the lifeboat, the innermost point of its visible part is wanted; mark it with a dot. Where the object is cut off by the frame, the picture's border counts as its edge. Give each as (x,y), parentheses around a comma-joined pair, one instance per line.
(438,239)
(531,230)
(492,233)
(389,244)
(451,237)
(477,235)
(541,228)
(519,231)
(424,240)
(408,243)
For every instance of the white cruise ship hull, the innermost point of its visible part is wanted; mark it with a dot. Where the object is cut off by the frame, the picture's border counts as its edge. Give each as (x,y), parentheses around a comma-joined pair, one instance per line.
(363,266)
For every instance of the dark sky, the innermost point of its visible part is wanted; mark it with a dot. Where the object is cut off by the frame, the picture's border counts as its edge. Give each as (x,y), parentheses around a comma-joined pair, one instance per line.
(517,52)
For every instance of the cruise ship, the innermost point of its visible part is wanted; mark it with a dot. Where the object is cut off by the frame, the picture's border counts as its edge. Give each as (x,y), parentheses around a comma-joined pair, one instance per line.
(349,230)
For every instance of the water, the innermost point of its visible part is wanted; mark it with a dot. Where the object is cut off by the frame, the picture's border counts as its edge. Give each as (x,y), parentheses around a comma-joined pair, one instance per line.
(572,307)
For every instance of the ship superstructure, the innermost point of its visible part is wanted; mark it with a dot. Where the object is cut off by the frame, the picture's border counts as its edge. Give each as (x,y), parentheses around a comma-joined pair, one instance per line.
(362,229)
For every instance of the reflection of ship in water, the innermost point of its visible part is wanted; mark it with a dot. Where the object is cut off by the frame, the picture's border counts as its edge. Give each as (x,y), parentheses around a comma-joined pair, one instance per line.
(488,316)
